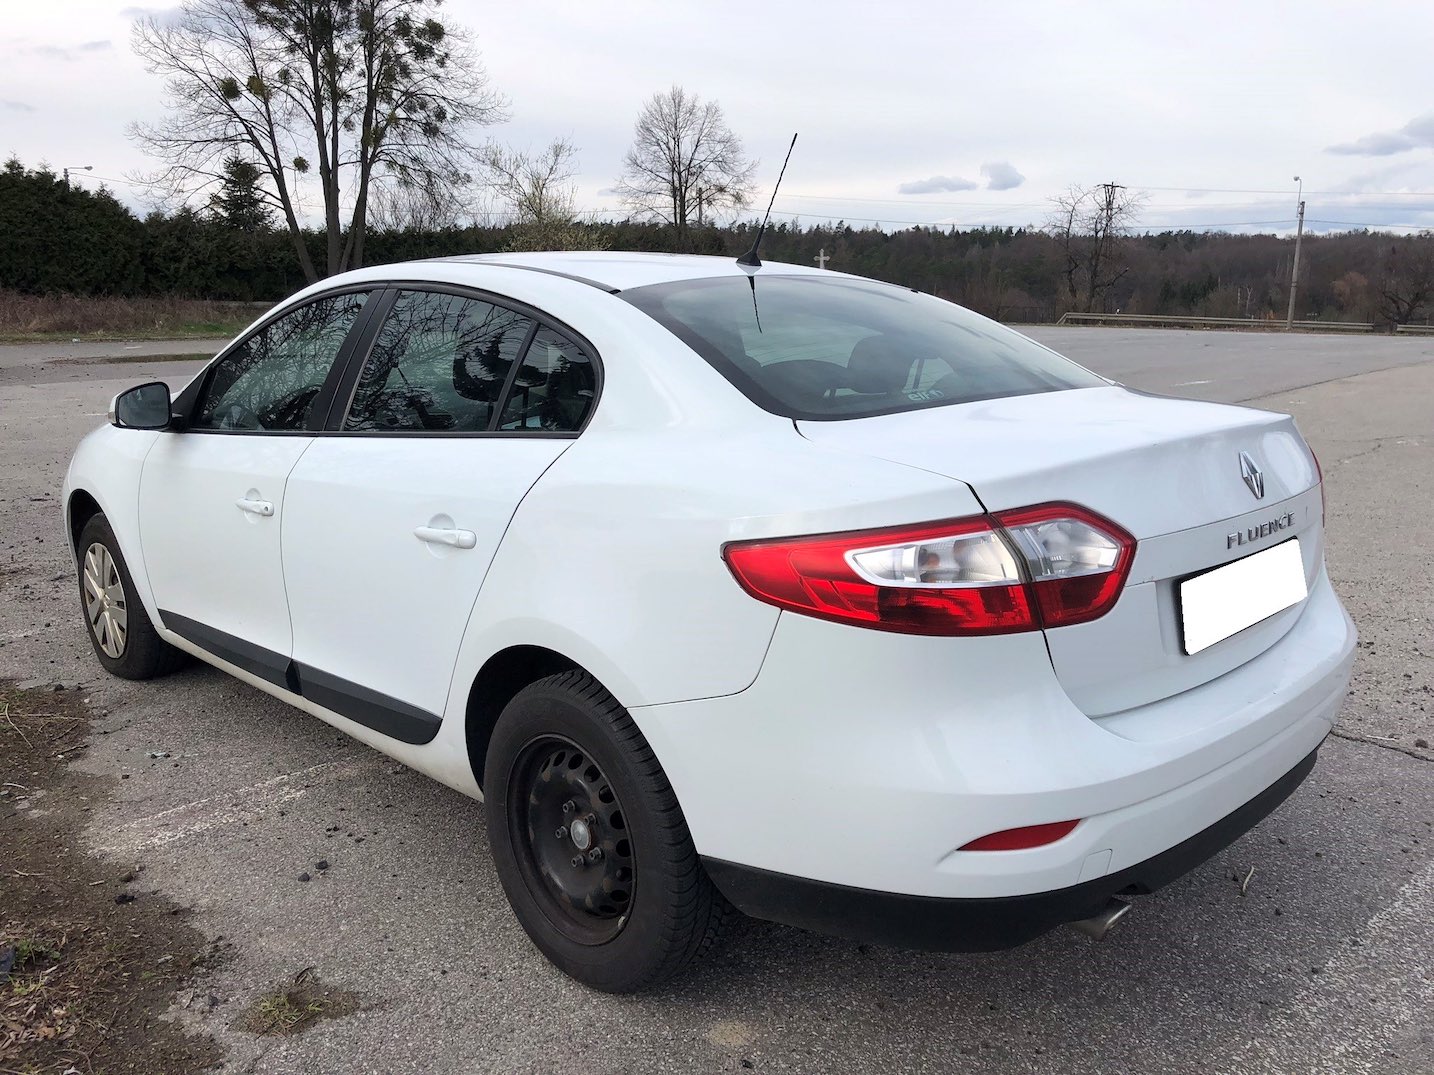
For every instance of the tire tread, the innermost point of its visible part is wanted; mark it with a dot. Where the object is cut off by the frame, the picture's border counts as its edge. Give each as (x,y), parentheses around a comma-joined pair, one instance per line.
(695,916)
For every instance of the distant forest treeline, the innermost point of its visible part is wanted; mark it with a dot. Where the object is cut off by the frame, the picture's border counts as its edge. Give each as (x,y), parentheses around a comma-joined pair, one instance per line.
(56,237)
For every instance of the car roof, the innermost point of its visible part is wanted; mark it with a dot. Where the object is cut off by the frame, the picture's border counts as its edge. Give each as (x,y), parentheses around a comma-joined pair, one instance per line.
(615,270)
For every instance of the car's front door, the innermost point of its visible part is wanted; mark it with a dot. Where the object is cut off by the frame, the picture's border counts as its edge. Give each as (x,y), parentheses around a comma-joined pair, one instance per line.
(212,496)
(394,516)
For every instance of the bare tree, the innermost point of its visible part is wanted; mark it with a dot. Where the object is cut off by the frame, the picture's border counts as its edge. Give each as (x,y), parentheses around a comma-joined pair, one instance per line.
(684,162)
(364,92)
(536,190)
(1406,282)
(1089,225)
(408,206)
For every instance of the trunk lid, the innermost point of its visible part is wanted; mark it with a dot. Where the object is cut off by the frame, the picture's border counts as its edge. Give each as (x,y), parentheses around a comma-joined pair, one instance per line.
(1168,470)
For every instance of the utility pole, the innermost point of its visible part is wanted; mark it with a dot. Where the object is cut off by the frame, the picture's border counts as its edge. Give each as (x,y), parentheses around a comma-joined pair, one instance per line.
(1295,268)
(77,168)
(821,259)
(700,193)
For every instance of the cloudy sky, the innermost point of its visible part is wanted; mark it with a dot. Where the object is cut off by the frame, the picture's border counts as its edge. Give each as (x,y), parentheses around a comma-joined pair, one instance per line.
(909,111)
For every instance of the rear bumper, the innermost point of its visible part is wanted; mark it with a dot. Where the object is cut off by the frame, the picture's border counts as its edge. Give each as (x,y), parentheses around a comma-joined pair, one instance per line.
(865,760)
(978,925)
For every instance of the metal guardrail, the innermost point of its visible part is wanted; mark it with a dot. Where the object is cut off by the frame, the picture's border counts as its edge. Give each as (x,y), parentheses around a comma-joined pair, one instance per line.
(1182,321)
(1414,330)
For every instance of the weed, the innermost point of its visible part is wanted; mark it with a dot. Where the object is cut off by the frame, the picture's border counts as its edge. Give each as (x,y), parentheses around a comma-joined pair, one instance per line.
(293,1007)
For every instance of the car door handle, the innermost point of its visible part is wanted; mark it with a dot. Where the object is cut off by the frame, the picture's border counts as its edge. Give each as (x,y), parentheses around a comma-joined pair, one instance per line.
(459,539)
(255,507)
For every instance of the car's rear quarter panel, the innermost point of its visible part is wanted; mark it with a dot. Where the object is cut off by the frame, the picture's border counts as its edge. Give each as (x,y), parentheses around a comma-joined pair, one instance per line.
(614,558)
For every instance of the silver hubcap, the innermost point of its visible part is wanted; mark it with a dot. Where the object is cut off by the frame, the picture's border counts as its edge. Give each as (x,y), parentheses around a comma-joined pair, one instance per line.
(104,601)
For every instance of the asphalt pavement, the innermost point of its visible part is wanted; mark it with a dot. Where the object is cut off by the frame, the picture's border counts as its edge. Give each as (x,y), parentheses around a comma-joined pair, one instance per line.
(1324,964)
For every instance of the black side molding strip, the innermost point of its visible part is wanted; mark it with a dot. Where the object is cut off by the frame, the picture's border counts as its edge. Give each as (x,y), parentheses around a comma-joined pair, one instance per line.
(395,719)
(256,660)
(385,715)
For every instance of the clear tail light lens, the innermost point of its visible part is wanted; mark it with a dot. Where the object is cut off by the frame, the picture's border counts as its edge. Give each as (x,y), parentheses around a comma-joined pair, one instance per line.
(1017,571)
(1078,560)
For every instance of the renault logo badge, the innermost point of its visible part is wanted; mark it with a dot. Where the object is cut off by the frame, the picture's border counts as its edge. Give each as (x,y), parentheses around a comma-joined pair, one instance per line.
(1252,475)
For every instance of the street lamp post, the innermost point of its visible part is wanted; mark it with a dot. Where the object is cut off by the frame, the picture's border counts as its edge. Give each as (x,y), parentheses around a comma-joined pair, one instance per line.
(77,168)
(1295,268)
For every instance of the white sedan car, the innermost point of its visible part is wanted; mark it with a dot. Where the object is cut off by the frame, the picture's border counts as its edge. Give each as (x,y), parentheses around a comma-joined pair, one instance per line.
(725,586)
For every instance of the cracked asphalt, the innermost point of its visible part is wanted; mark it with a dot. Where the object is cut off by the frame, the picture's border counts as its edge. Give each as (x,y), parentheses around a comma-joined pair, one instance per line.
(1324,964)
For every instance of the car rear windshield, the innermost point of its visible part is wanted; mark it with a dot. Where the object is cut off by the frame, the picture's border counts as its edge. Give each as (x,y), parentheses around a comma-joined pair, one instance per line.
(816,347)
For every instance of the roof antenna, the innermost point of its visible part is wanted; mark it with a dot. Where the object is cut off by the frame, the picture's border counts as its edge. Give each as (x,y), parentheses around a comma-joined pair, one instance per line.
(750,258)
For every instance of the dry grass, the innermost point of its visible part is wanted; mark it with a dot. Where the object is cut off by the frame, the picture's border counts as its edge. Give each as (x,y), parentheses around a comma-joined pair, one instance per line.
(293,1007)
(38,317)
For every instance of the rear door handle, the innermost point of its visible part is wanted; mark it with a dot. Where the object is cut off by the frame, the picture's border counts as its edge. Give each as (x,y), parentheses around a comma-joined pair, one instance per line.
(255,507)
(458,539)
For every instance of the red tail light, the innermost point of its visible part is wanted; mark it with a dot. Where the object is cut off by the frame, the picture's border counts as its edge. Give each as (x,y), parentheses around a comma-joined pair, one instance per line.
(1049,565)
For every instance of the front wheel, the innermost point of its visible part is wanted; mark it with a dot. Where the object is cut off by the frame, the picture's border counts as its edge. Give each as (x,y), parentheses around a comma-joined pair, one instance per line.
(590,844)
(123,637)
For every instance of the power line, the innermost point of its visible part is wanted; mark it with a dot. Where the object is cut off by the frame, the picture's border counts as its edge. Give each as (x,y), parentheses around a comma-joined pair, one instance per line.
(957,224)
(1173,225)
(1373,227)
(1287,192)
(108,179)
(911,199)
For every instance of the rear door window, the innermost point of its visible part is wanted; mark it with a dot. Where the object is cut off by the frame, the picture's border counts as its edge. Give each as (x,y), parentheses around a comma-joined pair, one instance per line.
(438,365)
(554,389)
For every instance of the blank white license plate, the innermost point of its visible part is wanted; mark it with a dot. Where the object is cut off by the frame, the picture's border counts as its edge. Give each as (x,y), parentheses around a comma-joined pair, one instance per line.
(1225,601)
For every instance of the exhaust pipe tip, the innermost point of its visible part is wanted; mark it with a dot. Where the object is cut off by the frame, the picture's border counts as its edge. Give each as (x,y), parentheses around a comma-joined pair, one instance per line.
(1098,926)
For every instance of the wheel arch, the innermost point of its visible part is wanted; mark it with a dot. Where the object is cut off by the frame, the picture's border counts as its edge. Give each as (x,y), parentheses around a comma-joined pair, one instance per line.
(502,676)
(80,509)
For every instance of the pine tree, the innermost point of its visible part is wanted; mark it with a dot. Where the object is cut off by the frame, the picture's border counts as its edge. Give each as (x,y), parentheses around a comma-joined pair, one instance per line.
(240,203)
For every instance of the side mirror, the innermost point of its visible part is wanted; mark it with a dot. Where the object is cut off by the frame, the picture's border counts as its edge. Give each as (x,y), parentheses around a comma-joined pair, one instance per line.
(144,407)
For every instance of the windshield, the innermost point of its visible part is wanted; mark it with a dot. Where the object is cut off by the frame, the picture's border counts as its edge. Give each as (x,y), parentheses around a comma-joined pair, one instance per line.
(815,347)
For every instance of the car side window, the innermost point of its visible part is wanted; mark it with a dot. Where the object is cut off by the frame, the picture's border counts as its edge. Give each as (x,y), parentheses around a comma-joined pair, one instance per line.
(270,381)
(438,365)
(554,389)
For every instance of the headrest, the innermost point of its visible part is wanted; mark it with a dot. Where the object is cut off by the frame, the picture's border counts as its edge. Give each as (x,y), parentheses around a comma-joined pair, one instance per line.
(878,365)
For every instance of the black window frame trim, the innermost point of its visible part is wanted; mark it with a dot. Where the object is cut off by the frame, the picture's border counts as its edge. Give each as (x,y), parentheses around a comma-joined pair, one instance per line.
(353,354)
(358,359)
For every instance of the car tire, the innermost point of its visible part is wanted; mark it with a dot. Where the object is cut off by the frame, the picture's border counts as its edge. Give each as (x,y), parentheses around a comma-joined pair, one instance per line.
(119,629)
(567,772)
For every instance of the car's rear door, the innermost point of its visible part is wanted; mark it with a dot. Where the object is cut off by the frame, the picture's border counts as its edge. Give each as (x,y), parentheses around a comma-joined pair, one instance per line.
(212,496)
(393,516)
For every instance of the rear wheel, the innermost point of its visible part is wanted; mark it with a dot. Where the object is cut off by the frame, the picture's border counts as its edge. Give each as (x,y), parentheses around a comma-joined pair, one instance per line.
(590,844)
(120,630)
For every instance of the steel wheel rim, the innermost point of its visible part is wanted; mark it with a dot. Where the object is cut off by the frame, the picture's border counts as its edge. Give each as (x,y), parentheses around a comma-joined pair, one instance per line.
(562,808)
(105,604)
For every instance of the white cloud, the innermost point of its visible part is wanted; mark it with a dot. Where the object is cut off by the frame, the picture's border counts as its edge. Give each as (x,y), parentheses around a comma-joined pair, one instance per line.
(1379,144)
(937,184)
(16,106)
(69,52)
(1001,175)
(1414,134)
(164,16)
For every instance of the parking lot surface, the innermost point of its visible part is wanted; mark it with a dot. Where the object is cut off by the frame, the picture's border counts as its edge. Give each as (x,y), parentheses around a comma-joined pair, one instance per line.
(1325,963)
